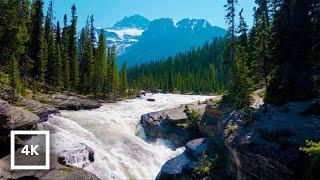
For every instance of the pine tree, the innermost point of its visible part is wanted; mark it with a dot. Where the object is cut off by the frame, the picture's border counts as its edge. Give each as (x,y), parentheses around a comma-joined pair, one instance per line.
(37,42)
(74,65)
(85,63)
(65,60)
(231,40)
(58,34)
(112,77)
(123,81)
(101,68)
(58,78)
(170,75)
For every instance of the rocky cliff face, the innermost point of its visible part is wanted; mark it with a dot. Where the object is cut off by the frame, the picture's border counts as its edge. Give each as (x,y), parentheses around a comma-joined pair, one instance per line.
(269,147)
(257,145)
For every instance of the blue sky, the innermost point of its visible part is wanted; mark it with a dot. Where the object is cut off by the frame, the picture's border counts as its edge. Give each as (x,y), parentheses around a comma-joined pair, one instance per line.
(108,12)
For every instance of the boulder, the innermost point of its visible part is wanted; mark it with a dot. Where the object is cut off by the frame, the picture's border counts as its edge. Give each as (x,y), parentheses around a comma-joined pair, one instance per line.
(81,155)
(182,166)
(13,118)
(165,124)
(151,100)
(197,147)
(74,102)
(173,169)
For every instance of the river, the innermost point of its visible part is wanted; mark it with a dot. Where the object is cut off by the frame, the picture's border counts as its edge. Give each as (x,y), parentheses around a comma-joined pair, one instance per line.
(114,134)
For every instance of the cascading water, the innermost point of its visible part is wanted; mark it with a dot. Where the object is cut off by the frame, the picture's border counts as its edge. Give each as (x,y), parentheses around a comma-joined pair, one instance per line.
(113,133)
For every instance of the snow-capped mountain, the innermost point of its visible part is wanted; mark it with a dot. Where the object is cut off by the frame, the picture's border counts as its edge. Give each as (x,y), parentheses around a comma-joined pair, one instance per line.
(126,32)
(139,40)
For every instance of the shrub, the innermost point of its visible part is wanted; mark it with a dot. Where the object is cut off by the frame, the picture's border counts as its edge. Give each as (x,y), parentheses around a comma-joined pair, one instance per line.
(313,150)
(193,118)
(231,128)
(207,165)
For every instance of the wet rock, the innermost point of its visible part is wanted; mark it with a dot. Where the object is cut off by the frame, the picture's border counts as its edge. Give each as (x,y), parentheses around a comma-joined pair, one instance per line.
(173,169)
(165,124)
(184,165)
(151,100)
(81,156)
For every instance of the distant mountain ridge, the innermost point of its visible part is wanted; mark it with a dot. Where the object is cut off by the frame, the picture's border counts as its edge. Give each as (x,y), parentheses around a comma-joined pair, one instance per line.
(139,40)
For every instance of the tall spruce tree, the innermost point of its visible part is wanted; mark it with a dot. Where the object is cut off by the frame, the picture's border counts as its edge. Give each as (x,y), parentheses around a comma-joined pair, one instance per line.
(65,60)
(85,62)
(101,67)
(112,77)
(37,42)
(74,65)
(231,40)
(123,81)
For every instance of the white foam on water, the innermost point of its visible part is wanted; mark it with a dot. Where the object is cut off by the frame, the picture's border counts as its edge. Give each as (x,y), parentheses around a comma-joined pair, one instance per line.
(116,137)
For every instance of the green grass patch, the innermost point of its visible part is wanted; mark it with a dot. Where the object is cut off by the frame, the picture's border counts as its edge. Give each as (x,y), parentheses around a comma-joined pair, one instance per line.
(67,169)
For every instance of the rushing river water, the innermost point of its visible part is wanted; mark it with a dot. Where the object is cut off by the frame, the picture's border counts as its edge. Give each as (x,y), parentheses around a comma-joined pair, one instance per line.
(113,133)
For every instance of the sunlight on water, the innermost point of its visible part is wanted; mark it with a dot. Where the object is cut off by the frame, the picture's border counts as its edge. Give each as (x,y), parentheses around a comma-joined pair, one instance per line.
(114,134)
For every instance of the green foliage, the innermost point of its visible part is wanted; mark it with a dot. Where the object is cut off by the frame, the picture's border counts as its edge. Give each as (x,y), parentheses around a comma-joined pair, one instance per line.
(231,128)
(68,169)
(207,165)
(313,150)
(74,65)
(4,79)
(124,81)
(193,118)
(113,75)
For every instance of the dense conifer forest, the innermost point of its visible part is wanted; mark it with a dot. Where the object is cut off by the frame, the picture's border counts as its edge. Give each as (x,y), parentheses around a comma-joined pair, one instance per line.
(35,46)
(280,52)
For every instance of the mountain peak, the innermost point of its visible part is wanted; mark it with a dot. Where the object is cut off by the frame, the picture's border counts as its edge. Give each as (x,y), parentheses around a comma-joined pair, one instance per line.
(135,21)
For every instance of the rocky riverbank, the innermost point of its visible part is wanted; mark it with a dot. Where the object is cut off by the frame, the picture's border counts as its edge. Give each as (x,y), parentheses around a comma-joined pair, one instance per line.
(249,143)
(25,114)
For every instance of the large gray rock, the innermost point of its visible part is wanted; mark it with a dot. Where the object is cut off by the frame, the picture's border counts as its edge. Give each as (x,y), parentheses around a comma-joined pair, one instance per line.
(182,166)
(13,118)
(74,102)
(174,168)
(164,124)
(197,147)
(269,148)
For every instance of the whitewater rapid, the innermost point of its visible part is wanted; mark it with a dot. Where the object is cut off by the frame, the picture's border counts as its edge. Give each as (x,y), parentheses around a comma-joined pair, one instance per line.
(114,134)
